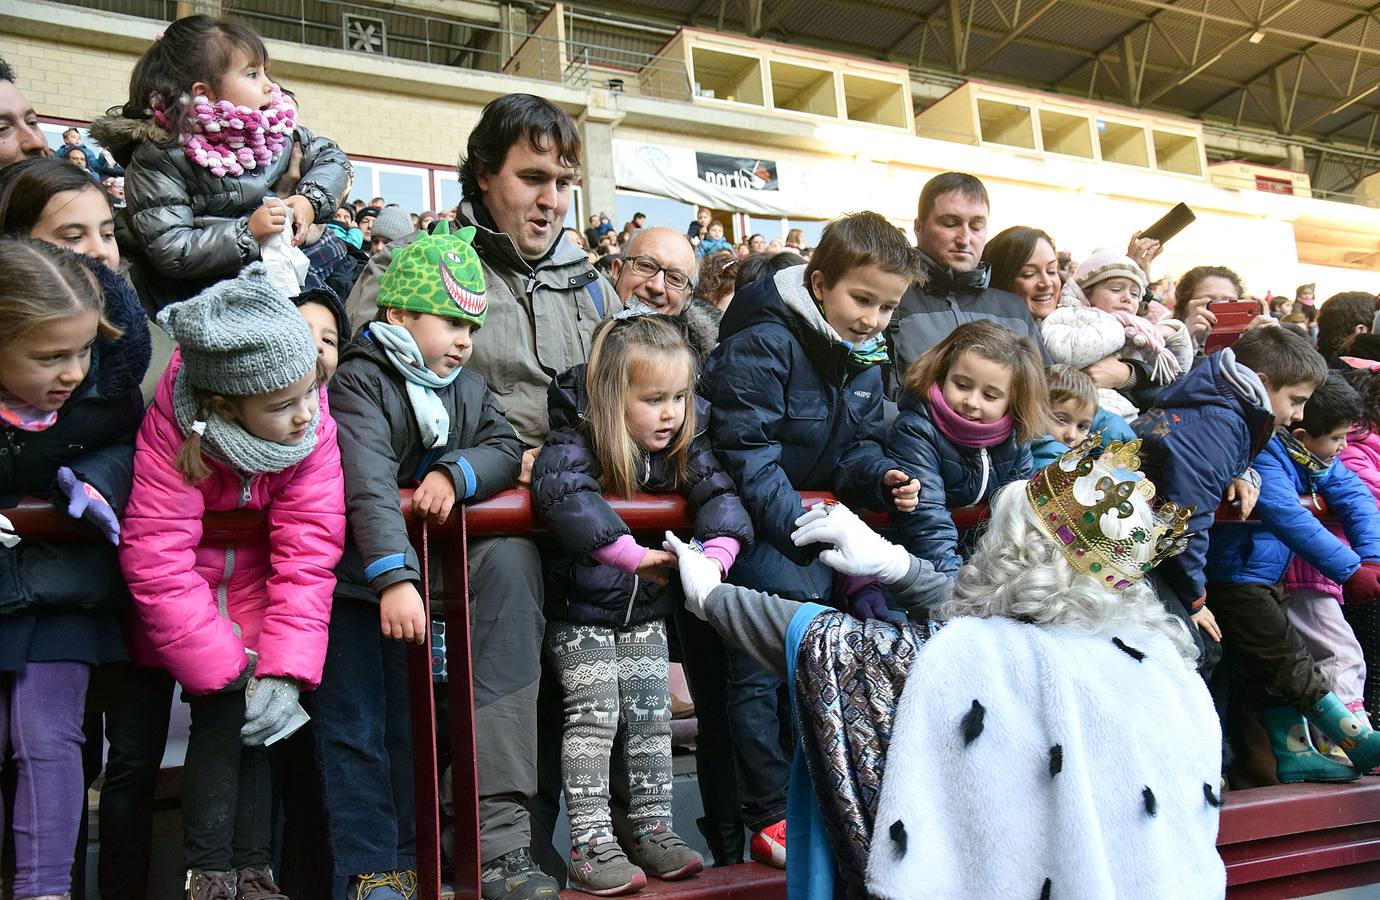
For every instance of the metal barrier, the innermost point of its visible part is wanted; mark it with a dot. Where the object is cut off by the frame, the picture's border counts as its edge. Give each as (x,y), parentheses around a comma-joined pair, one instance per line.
(1276,842)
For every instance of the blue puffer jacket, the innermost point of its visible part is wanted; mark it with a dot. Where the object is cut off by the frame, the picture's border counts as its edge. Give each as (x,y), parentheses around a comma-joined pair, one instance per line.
(60,602)
(567,497)
(950,476)
(1205,432)
(1259,554)
(1045,449)
(789,413)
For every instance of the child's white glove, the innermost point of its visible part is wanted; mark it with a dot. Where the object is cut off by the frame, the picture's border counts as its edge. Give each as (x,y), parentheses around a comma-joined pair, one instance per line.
(698,573)
(857,550)
(9,538)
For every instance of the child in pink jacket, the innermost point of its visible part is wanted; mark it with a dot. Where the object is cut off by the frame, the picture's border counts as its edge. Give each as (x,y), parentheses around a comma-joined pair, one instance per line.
(237,423)
(1362,456)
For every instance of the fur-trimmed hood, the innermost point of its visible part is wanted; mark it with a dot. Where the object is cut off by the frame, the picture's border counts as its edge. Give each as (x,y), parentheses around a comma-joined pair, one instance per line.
(120,135)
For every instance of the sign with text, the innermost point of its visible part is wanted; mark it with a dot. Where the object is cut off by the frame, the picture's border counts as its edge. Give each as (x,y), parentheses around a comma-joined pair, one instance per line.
(740,172)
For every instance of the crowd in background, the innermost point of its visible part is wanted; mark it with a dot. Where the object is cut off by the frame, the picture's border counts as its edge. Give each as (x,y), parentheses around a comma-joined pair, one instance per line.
(329,354)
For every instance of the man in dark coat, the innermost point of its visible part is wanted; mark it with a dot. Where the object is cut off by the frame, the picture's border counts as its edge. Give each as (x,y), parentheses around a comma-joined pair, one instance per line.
(951,230)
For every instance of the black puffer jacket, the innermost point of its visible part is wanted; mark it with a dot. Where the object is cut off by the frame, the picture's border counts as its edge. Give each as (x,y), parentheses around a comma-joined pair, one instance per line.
(567,496)
(183,227)
(60,601)
(381,450)
(950,476)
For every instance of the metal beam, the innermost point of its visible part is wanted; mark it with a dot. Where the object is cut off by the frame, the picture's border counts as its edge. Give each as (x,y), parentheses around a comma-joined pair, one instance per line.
(1366,14)
(958,43)
(1018,29)
(1341,105)
(1230,45)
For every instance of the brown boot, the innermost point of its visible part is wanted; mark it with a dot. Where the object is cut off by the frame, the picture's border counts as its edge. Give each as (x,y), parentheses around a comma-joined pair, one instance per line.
(257,884)
(202,885)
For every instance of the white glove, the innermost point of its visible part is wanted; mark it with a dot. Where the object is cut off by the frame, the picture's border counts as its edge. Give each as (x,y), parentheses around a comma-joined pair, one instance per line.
(698,573)
(857,549)
(8,538)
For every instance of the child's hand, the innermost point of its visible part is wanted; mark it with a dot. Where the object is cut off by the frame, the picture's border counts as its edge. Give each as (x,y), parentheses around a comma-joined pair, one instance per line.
(302,216)
(267,220)
(654,566)
(528,460)
(402,615)
(435,496)
(905,491)
(1205,620)
(1243,492)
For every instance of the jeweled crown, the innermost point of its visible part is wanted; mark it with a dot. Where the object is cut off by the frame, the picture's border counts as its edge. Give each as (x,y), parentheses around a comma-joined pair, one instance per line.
(1081,508)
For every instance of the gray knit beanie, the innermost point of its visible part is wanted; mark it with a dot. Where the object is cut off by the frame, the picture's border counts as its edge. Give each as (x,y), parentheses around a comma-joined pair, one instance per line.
(241,336)
(392,224)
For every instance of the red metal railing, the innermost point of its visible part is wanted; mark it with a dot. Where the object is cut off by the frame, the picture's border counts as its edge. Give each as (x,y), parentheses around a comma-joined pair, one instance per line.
(1277,842)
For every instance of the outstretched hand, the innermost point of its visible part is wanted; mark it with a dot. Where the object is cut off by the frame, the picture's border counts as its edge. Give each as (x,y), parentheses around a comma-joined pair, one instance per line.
(856,549)
(699,574)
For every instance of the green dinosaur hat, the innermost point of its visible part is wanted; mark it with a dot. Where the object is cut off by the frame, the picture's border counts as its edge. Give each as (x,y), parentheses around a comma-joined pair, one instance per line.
(439,273)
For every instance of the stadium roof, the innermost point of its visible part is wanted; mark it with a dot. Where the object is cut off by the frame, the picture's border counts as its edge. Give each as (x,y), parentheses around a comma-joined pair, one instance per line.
(1302,67)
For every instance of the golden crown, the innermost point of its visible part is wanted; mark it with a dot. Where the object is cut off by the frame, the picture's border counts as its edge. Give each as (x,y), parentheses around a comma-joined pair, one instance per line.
(1090,540)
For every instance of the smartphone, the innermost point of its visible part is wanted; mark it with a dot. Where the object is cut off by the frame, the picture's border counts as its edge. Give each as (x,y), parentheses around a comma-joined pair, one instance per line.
(1174,221)
(1232,318)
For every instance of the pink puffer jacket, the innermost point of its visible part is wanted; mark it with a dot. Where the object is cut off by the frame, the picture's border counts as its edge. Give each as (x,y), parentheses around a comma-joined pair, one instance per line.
(198,603)
(1362,456)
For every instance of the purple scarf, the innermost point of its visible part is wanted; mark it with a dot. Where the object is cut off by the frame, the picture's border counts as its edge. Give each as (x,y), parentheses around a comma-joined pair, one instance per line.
(965,432)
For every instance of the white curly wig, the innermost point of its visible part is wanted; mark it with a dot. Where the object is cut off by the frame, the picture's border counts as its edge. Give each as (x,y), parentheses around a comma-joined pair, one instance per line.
(1019,572)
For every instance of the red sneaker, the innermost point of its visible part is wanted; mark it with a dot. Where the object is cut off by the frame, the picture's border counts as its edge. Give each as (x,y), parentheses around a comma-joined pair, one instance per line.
(769,845)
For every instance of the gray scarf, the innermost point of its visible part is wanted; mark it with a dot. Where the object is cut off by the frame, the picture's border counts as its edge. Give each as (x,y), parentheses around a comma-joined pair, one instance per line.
(229,443)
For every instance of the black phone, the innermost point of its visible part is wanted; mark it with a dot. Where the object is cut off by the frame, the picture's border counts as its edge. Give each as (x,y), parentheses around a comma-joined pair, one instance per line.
(1174,221)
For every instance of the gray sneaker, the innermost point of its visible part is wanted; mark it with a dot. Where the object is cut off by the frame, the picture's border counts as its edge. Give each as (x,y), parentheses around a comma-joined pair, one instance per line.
(663,854)
(203,885)
(603,870)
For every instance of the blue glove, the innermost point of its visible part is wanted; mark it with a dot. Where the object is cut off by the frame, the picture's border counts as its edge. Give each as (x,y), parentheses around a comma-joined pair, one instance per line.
(85,502)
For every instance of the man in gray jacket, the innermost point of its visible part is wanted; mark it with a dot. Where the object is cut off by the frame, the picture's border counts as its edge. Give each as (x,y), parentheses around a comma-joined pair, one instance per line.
(544,300)
(951,231)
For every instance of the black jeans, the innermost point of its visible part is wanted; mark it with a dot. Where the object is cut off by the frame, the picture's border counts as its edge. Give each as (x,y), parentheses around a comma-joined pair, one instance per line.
(1209,651)
(130,705)
(364,745)
(227,793)
(1252,617)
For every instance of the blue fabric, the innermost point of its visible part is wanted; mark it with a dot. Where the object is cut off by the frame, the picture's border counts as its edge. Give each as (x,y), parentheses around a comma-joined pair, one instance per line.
(384,564)
(790,414)
(470,481)
(950,476)
(809,862)
(1200,437)
(1259,554)
(596,293)
(1045,449)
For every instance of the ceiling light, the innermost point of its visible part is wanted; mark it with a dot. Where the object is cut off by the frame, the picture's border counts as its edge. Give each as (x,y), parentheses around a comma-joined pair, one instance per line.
(1256,37)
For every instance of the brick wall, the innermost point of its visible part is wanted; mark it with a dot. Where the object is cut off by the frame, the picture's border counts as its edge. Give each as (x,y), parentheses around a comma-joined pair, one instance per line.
(72,81)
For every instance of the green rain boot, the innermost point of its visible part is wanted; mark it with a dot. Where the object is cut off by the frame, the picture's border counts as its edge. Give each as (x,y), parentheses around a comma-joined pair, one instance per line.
(1296,759)
(1361,745)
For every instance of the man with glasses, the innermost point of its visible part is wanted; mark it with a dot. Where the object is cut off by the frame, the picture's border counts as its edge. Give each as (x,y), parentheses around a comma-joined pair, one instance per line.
(658,270)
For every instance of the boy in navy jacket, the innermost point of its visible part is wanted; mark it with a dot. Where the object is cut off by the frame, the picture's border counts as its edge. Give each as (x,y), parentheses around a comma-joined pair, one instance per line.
(1247,561)
(795,387)
(1204,433)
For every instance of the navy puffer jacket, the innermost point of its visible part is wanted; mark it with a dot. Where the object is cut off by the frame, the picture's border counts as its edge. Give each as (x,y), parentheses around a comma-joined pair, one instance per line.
(950,476)
(790,414)
(59,602)
(568,498)
(1205,431)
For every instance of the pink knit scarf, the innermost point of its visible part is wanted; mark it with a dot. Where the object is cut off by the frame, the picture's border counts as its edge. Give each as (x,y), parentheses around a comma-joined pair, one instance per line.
(966,432)
(229,139)
(18,414)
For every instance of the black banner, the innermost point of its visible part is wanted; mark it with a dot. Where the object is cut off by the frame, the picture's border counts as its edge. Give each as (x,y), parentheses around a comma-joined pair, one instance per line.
(741,172)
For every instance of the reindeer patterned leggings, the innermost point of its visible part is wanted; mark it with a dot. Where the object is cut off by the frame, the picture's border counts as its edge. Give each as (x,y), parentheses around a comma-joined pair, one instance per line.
(610,675)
